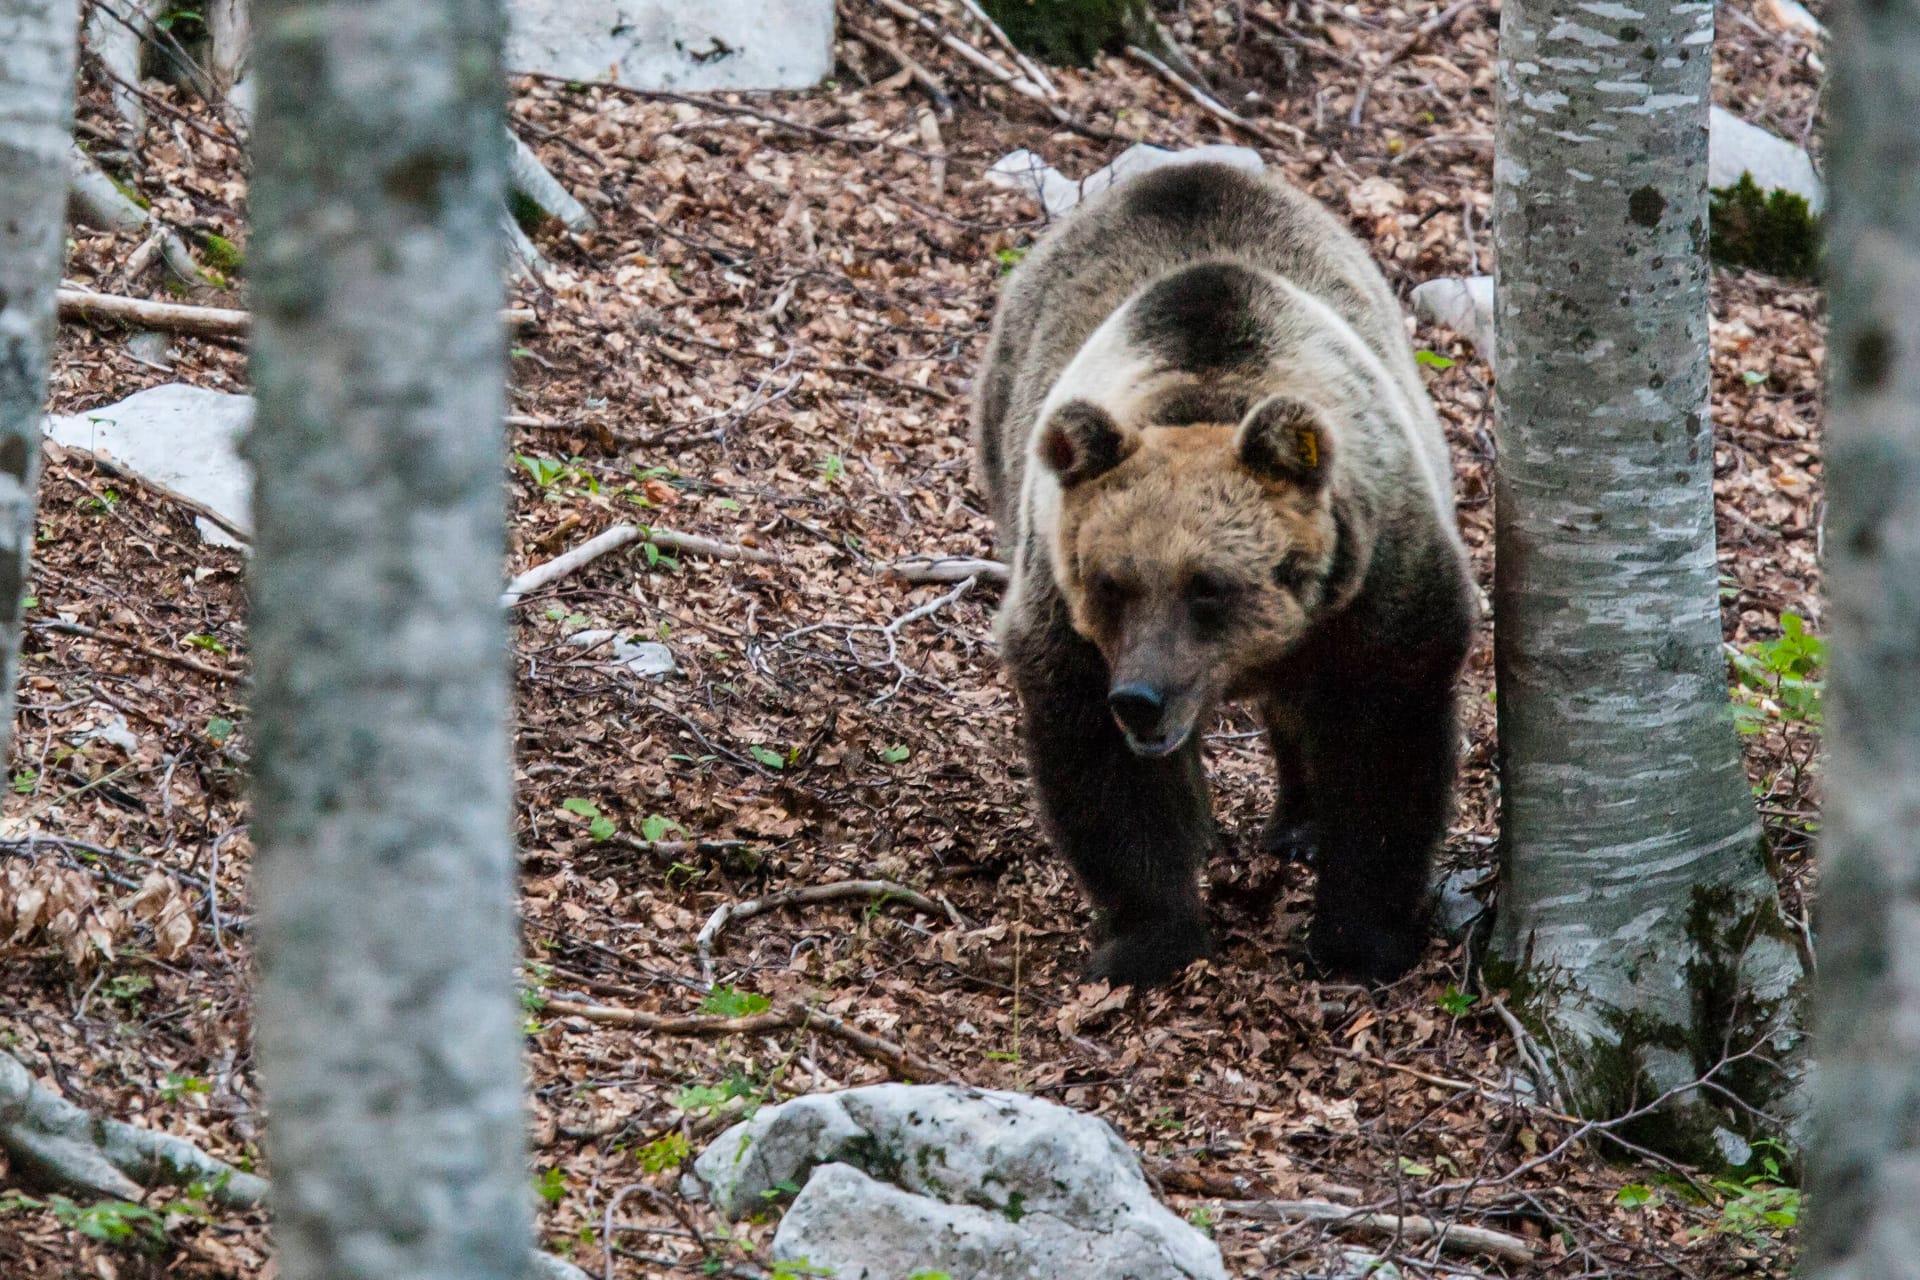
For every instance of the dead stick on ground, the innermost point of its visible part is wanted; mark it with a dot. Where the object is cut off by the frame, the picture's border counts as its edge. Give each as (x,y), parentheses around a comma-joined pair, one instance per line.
(936,88)
(1401,50)
(788,1017)
(1208,103)
(1450,1236)
(1027,65)
(199,508)
(613,539)
(180,660)
(923,569)
(199,322)
(884,890)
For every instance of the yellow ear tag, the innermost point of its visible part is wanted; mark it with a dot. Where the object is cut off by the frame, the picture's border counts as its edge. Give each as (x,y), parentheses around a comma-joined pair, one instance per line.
(1308,443)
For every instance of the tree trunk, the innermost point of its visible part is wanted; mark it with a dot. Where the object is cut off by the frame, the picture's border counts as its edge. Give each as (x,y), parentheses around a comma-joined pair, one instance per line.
(1864,1159)
(37,42)
(1638,923)
(387,1024)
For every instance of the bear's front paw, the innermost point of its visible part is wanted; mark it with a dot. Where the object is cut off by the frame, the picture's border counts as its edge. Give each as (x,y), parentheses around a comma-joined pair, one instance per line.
(1370,953)
(1290,840)
(1148,959)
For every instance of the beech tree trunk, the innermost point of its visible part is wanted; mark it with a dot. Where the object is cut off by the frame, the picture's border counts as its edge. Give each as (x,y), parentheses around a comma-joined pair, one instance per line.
(1638,924)
(1863,1178)
(37,49)
(387,1026)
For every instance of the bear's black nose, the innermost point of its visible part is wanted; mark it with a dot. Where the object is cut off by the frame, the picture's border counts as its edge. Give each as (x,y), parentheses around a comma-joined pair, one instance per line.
(1137,707)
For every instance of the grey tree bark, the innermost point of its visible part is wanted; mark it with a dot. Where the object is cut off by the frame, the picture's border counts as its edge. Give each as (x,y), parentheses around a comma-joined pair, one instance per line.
(387,1026)
(37,49)
(1863,1176)
(1638,923)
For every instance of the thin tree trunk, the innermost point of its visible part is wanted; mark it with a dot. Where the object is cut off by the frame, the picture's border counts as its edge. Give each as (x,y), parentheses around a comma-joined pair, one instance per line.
(387,1026)
(1638,923)
(1863,1183)
(37,43)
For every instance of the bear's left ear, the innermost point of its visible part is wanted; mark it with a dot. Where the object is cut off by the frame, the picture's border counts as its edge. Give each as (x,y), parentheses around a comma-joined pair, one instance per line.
(1284,440)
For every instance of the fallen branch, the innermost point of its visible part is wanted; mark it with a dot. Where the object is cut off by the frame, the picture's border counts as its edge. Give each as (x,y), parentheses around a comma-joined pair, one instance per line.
(612,540)
(1450,1236)
(792,1016)
(1208,103)
(199,322)
(180,660)
(1018,83)
(527,177)
(75,1150)
(69,1147)
(884,890)
(861,371)
(113,468)
(919,570)
(935,87)
(1028,66)
(100,202)
(1413,41)
(889,632)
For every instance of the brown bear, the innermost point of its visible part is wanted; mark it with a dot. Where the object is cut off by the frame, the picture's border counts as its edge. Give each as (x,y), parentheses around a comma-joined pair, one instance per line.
(1217,475)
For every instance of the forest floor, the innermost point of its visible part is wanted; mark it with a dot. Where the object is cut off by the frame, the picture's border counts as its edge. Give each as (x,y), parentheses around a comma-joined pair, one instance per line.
(769,341)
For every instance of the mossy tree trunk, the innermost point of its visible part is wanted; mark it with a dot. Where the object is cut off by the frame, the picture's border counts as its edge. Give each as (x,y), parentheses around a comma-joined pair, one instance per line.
(37,49)
(1863,1184)
(1638,922)
(1070,32)
(387,1027)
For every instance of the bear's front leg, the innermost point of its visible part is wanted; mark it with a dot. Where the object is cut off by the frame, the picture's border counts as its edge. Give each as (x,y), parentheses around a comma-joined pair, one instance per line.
(1383,756)
(1291,834)
(1135,830)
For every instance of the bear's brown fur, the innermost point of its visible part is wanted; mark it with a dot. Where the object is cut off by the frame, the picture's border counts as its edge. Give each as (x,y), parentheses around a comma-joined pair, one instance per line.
(1217,474)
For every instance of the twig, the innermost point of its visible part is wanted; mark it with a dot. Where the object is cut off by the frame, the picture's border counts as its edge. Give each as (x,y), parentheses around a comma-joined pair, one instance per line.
(1208,103)
(1027,65)
(935,87)
(861,371)
(919,570)
(533,180)
(889,632)
(884,890)
(200,322)
(1018,83)
(1460,1239)
(1530,1053)
(113,468)
(1401,50)
(612,540)
(792,1016)
(180,660)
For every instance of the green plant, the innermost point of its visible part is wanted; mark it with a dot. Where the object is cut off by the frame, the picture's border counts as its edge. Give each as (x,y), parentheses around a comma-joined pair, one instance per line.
(1772,231)
(1758,1207)
(767,756)
(1456,1002)
(1204,1218)
(1433,360)
(1009,258)
(551,1185)
(699,1099)
(177,1086)
(599,826)
(201,640)
(833,467)
(655,828)
(896,753)
(111,1221)
(219,730)
(669,1151)
(1782,678)
(730,1002)
(795,1269)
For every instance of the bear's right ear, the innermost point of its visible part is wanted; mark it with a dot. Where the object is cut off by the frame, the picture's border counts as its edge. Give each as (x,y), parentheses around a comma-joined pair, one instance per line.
(1082,442)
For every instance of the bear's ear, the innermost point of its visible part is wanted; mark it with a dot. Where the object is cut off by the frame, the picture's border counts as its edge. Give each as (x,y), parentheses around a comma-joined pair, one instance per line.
(1082,442)
(1284,440)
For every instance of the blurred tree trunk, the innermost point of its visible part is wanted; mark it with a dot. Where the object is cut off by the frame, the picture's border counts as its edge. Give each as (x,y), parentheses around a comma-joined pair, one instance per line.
(387,1026)
(1638,924)
(37,40)
(1863,1184)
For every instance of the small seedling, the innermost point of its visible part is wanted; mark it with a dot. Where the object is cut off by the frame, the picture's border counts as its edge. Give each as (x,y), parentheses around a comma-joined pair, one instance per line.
(897,753)
(655,828)
(1456,1002)
(669,1151)
(730,1002)
(1434,360)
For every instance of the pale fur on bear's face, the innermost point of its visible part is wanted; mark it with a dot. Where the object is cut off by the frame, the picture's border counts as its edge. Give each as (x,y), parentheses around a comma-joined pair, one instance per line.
(1193,557)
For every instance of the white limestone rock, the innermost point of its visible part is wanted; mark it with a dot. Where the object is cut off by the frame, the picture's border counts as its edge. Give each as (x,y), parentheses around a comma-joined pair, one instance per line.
(670,44)
(1463,304)
(182,438)
(1057,193)
(647,659)
(1735,147)
(981,1184)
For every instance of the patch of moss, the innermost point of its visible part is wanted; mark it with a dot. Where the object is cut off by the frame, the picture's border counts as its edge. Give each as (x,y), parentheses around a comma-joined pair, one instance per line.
(1068,32)
(1771,231)
(130,193)
(526,211)
(222,254)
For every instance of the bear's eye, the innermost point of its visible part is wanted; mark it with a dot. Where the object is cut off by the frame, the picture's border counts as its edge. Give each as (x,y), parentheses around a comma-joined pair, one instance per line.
(1107,592)
(1208,599)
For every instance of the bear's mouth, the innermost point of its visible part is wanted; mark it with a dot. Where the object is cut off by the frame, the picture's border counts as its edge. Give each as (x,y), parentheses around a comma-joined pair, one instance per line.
(1164,745)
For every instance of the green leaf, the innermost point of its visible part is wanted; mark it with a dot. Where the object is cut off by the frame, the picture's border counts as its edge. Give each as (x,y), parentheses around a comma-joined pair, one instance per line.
(201,640)
(551,1186)
(669,1151)
(1433,360)
(601,828)
(583,807)
(1456,1002)
(1414,1169)
(770,758)
(896,753)
(1635,1195)
(730,1002)
(655,828)
(219,729)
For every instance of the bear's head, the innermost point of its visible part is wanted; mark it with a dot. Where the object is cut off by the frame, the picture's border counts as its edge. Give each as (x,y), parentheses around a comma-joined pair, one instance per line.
(1193,556)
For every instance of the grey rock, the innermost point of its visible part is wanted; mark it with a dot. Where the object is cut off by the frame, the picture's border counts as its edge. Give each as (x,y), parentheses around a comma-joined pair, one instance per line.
(670,44)
(1735,147)
(1057,193)
(181,438)
(1455,906)
(1364,1264)
(981,1184)
(1463,304)
(153,348)
(648,659)
(112,728)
